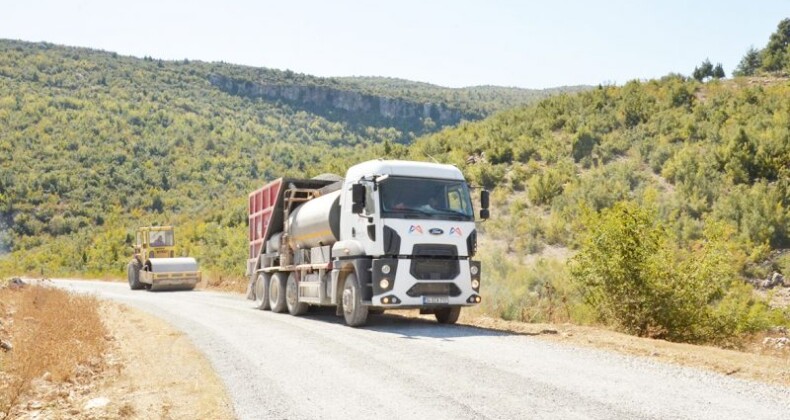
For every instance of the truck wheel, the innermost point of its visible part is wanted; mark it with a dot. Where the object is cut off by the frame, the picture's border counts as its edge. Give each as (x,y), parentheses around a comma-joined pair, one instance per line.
(277,292)
(133,275)
(295,307)
(354,312)
(448,315)
(262,292)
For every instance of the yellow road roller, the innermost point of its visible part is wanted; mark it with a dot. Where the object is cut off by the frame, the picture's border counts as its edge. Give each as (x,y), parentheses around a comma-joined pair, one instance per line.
(154,265)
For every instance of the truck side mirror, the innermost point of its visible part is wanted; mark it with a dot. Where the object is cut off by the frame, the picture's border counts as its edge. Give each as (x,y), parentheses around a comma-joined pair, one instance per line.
(357,198)
(484,213)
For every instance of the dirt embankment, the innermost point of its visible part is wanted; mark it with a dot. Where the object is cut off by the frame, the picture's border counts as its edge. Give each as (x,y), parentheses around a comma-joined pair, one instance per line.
(145,369)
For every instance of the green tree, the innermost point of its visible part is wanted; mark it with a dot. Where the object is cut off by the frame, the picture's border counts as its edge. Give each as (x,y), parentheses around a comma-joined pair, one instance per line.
(775,53)
(703,71)
(718,72)
(583,145)
(614,267)
(750,63)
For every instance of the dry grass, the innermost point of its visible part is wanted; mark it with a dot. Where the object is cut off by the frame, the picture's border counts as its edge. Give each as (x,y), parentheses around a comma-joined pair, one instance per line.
(53,333)
(224,283)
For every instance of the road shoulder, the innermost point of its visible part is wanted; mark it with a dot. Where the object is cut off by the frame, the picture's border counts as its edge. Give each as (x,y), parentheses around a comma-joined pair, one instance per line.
(762,365)
(160,373)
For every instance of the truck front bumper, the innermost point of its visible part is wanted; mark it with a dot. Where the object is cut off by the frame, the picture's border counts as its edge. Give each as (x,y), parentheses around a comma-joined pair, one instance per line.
(406,283)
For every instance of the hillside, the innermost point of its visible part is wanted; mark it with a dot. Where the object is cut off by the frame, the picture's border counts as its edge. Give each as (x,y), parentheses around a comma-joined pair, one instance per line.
(702,165)
(717,150)
(486,99)
(94,143)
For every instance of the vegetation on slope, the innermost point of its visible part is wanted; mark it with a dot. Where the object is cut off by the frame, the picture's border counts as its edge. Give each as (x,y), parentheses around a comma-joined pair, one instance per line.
(693,155)
(94,144)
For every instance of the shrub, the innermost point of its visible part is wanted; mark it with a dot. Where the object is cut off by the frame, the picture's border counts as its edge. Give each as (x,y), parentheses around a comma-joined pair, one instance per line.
(544,187)
(537,292)
(486,175)
(631,273)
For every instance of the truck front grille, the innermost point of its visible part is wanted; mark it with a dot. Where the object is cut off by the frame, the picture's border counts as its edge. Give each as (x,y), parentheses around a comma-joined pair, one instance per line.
(434,268)
(435,250)
(434,289)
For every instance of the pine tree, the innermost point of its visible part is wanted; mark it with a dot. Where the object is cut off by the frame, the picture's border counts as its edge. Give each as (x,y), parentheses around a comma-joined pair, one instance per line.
(705,70)
(775,53)
(718,72)
(750,63)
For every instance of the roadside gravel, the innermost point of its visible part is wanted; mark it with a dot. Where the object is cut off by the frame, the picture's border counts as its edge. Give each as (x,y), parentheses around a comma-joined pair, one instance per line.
(280,366)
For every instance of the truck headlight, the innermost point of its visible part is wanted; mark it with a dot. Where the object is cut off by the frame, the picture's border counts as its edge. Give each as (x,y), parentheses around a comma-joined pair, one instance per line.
(474,270)
(475,284)
(384,283)
(385,269)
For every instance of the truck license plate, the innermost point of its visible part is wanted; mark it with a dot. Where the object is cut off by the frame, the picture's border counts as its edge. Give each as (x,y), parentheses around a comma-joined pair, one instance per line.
(431,300)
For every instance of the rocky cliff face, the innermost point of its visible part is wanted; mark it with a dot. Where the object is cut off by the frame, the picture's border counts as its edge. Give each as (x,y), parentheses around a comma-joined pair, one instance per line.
(330,102)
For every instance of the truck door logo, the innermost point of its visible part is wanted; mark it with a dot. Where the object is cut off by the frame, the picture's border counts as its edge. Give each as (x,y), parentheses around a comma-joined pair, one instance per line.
(416,228)
(456,231)
(436,231)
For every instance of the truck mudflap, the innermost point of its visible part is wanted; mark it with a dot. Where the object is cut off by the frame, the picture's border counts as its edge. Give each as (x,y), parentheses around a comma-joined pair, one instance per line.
(412,283)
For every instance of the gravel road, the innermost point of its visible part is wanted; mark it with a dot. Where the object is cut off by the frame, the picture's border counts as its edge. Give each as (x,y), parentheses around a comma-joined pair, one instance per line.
(280,366)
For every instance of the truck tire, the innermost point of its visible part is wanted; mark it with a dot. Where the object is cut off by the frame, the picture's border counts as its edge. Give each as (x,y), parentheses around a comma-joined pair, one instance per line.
(262,292)
(295,307)
(133,275)
(448,315)
(354,312)
(277,292)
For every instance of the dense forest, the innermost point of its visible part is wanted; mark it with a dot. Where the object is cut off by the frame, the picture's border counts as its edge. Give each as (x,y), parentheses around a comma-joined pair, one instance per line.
(694,177)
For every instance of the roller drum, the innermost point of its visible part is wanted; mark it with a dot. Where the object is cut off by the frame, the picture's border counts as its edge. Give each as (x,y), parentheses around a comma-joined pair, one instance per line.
(169,265)
(173,274)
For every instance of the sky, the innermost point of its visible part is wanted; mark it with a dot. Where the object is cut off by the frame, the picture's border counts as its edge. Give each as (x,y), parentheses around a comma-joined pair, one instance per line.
(526,44)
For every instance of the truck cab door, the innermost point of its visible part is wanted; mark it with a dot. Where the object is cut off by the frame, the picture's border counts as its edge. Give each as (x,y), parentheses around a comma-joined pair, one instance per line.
(364,227)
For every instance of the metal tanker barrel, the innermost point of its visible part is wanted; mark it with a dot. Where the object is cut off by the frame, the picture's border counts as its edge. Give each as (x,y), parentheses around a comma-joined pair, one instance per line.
(316,222)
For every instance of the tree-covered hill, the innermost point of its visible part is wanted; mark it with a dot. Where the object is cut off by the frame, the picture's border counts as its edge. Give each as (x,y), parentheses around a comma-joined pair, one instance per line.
(93,143)
(670,192)
(716,151)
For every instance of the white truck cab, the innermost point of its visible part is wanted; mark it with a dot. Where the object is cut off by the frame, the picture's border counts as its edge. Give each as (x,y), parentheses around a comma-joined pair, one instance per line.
(413,232)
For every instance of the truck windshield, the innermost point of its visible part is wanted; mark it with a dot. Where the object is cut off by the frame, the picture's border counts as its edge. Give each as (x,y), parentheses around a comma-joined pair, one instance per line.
(424,198)
(161,238)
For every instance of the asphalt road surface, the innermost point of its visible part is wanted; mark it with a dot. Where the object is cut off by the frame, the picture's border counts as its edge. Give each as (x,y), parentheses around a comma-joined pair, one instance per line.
(284,367)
